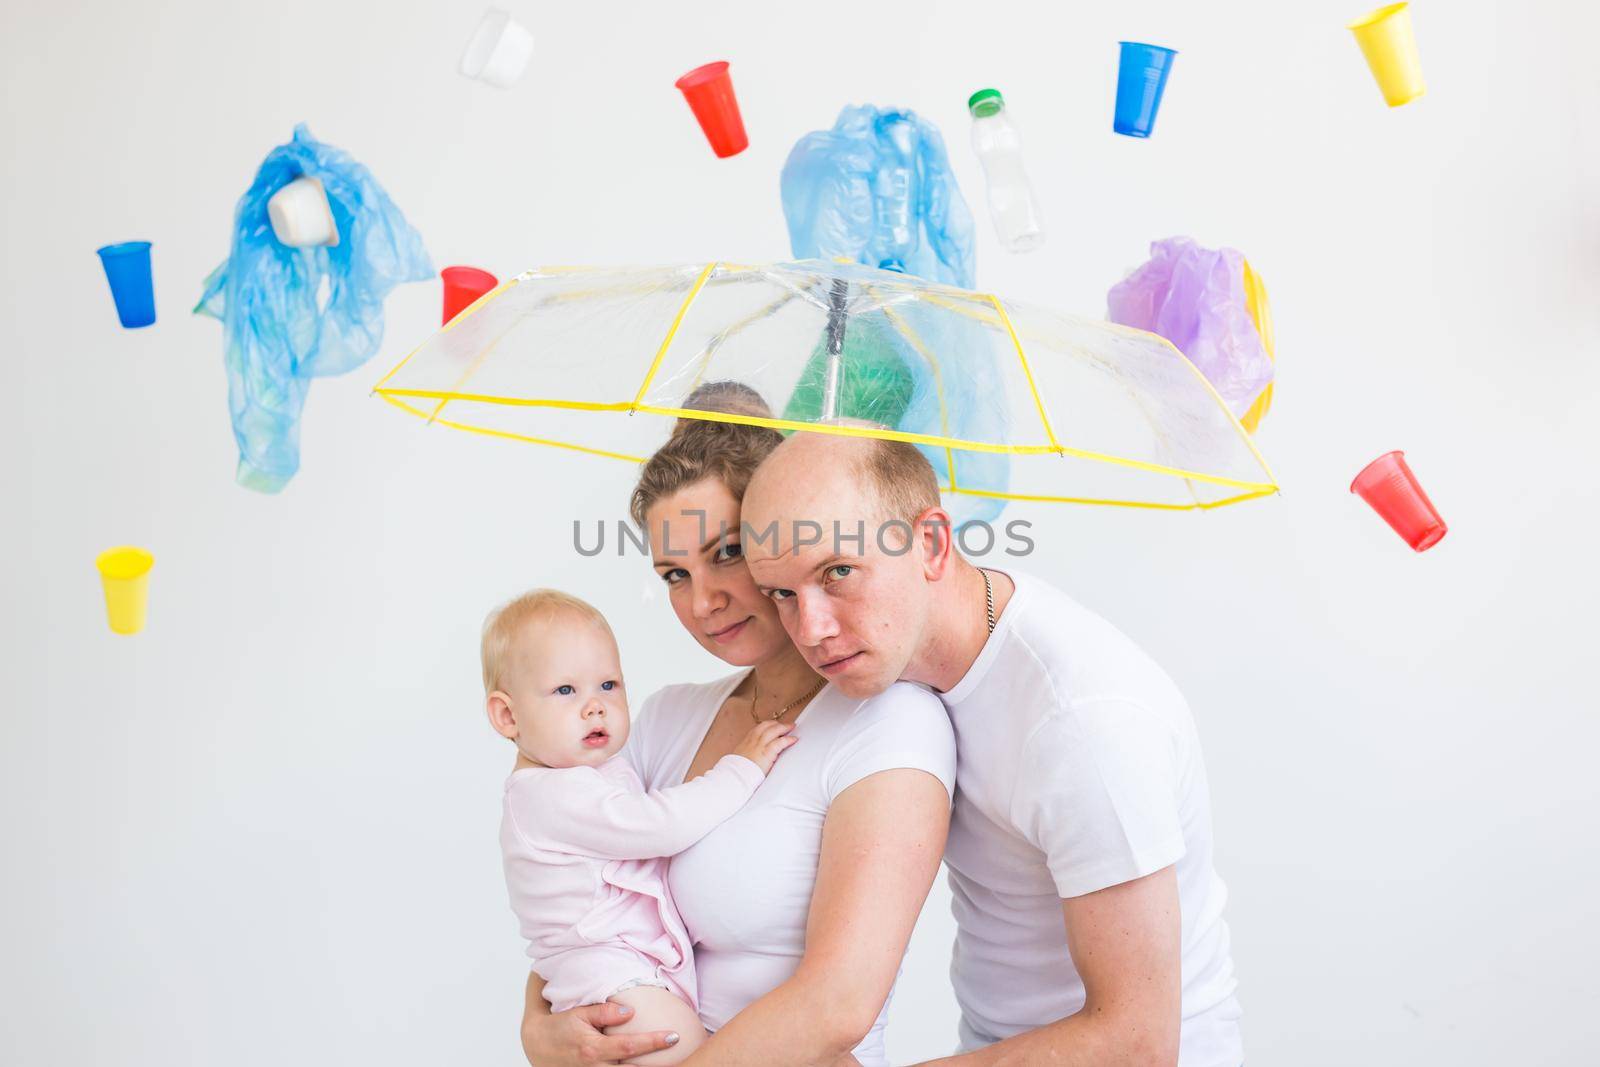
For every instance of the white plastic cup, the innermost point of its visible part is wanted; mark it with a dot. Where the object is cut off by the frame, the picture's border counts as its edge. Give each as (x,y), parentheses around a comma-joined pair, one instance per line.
(499,50)
(300,215)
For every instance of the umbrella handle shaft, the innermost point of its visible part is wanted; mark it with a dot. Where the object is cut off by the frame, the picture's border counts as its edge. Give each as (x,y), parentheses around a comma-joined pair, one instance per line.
(835,366)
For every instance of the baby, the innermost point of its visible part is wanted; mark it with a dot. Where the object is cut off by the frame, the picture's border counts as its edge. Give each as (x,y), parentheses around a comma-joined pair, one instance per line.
(585,845)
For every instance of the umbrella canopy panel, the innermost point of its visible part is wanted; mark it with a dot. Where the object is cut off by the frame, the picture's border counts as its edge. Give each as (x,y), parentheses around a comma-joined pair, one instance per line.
(1006,401)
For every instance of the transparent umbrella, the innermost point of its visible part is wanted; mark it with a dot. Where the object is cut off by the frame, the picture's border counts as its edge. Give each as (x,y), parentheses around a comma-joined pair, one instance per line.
(1007,401)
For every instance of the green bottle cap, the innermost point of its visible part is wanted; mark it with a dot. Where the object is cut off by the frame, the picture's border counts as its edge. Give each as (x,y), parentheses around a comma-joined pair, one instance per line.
(985,102)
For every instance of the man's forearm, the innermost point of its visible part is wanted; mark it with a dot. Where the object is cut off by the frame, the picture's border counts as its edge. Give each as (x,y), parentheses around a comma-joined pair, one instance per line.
(1124,942)
(1083,1040)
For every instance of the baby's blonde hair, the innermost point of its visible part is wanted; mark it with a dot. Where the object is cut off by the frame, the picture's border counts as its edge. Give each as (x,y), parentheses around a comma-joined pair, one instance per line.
(500,629)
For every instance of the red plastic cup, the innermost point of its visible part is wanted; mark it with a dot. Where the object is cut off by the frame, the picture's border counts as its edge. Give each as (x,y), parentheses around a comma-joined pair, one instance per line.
(463,285)
(1393,491)
(709,91)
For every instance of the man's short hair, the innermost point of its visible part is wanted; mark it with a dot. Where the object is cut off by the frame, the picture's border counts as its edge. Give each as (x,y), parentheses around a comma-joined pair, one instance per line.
(903,478)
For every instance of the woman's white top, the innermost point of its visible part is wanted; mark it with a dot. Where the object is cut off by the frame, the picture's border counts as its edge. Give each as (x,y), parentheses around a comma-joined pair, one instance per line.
(744,890)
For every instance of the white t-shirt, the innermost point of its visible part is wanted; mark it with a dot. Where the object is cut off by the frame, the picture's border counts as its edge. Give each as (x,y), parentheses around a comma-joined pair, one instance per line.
(1080,769)
(744,890)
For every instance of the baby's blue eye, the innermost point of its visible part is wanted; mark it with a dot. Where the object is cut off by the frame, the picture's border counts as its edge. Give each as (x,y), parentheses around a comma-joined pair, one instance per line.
(608,686)
(565,690)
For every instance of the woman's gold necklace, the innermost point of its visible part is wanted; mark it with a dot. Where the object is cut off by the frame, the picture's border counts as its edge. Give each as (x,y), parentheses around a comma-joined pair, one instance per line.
(755,691)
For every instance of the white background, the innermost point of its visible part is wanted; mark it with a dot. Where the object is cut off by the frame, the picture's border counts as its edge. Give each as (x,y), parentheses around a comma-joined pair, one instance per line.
(264,830)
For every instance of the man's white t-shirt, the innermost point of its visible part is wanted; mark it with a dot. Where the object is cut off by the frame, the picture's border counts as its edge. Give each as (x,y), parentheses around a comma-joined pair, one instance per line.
(744,889)
(1078,768)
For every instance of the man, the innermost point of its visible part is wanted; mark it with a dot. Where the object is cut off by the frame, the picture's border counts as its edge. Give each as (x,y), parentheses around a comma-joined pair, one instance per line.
(1089,926)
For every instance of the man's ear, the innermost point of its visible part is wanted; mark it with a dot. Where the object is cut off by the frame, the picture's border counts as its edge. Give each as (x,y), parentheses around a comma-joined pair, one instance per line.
(935,542)
(499,707)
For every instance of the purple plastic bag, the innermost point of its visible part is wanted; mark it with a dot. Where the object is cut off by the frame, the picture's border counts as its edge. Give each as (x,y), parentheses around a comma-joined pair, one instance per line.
(1195,298)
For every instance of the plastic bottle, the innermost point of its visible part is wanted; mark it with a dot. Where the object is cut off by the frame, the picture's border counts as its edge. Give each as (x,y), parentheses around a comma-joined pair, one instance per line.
(1011,201)
(894,224)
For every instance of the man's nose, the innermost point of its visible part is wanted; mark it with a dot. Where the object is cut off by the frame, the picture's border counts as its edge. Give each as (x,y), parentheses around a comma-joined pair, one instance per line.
(814,623)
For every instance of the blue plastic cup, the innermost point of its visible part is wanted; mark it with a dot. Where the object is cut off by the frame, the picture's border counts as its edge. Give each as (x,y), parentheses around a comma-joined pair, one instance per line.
(128,270)
(1141,79)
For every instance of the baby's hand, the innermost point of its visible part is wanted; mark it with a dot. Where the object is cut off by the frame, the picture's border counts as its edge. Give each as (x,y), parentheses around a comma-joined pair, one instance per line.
(763,743)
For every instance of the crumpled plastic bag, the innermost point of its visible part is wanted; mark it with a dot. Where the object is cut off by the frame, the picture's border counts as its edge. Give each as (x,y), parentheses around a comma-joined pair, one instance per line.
(292,314)
(1197,298)
(877,189)
(886,379)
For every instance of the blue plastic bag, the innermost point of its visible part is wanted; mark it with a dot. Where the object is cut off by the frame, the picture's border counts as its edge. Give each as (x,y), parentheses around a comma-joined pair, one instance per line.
(877,189)
(292,314)
(1197,298)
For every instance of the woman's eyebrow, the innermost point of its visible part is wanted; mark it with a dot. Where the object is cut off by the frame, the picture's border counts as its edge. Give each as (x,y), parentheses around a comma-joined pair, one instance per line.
(722,534)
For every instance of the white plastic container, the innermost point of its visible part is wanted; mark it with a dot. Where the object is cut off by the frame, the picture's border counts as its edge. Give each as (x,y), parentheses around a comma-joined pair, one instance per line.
(499,50)
(300,215)
(1011,201)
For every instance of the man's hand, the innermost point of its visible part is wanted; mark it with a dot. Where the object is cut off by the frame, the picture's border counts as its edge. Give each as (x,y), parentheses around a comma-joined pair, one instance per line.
(574,1038)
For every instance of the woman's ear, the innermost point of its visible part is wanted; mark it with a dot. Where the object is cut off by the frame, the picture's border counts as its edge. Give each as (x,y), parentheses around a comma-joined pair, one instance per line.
(499,707)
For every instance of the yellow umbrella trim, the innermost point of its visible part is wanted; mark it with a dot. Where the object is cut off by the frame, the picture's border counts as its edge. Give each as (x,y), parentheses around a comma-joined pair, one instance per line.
(1252,491)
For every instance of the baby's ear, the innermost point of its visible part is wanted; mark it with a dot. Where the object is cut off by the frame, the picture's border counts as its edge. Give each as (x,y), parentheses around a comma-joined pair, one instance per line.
(498,706)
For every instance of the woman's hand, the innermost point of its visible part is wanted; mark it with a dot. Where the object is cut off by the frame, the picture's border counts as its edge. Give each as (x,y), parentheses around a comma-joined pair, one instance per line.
(573,1038)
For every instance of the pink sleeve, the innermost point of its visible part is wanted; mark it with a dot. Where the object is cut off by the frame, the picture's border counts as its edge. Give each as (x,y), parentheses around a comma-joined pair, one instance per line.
(593,816)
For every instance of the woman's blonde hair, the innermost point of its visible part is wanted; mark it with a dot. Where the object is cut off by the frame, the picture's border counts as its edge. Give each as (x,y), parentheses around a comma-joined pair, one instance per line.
(699,449)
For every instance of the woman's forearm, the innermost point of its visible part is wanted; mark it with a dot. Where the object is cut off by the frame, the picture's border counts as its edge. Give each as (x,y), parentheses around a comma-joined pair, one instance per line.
(534,1009)
(881,843)
(798,1024)
(534,1002)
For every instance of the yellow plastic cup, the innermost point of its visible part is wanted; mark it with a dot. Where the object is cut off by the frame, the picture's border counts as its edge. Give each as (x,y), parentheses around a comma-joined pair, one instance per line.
(1255,302)
(125,574)
(1386,39)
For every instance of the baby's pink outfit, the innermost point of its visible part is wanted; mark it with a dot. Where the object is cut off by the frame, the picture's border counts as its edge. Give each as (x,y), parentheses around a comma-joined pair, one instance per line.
(586,864)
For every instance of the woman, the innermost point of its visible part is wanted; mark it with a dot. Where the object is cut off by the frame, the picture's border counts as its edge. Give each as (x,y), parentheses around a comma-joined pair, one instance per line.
(801,904)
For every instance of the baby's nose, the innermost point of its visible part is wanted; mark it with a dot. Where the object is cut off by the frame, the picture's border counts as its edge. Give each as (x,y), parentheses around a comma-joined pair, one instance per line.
(594,708)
